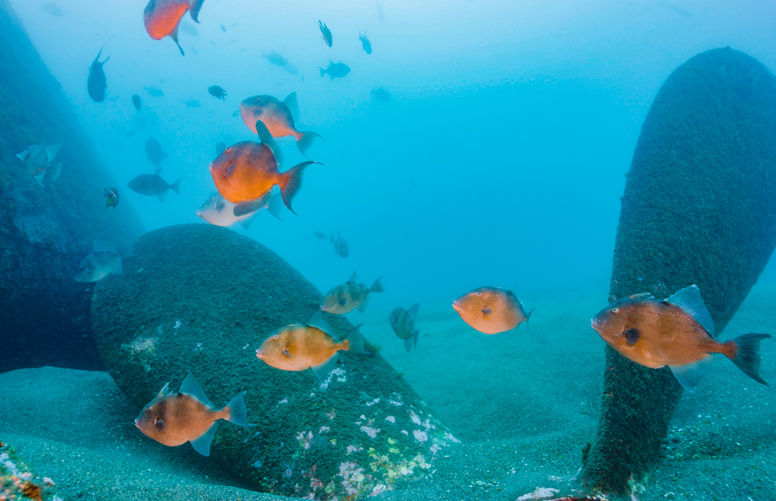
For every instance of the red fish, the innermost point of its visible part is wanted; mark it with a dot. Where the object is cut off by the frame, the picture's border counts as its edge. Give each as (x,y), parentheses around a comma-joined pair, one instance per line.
(162,17)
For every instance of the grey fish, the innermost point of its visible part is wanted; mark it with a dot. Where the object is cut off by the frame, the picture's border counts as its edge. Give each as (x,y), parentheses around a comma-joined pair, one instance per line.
(98,265)
(154,151)
(336,70)
(403,324)
(153,185)
(326,32)
(347,297)
(217,92)
(221,212)
(96,83)
(365,43)
(137,102)
(278,60)
(340,245)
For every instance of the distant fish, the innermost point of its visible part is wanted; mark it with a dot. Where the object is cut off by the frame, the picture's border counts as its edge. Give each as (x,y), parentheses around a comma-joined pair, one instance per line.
(336,70)
(173,419)
(162,17)
(675,332)
(217,92)
(192,103)
(98,265)
(403,324)
(491,310)
(136,102)
(153,185)
(53,9)
(365,43)
(347,297)
(96,83)
(320,234)
(111,197)
(154,151)
(278,116)
(221,212)
(326,32)
(299,347)
(247,170)
(380,94)
(154,91)
(340,245)
(39,162)
(278,60)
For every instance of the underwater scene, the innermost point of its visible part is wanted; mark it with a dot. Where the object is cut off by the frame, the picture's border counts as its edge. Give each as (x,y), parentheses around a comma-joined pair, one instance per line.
(387,249)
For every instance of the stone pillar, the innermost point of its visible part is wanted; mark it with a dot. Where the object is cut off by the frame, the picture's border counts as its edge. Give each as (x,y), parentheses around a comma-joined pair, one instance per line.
(699,208)
(201,298)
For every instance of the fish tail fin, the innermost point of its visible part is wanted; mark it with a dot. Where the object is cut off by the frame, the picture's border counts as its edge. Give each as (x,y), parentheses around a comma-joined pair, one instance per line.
(344,345)
(356,342)
(237,410)
(744,351)
(176,186)
(377,286)
(305,140)
(194,6)
(291,181)
(275,205)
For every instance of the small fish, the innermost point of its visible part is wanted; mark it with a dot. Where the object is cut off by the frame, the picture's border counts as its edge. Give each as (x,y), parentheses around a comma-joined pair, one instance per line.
(173,419)
(162,17)
(365,43)
(154,151)
(298,347)
(217,92)
(380,94)
(154,91)
(340,245)
(491,310)
(153,185)
(221,212)
(326,32)
(98,265)
(96,83)
(111,197)
(403,324)
(136,102)
(192,103)
(39,161)
(347,297)
(336,70)
(676,332)
(278,60)
(278,116)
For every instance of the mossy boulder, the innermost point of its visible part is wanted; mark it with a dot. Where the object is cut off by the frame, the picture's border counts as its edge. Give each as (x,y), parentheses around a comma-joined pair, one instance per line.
(699,208)
(201,298)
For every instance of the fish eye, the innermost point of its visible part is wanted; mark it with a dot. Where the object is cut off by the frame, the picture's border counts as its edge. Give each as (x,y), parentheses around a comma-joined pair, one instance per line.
(275,337)
(159,425)
(615,310)
(228,150)
(478,293)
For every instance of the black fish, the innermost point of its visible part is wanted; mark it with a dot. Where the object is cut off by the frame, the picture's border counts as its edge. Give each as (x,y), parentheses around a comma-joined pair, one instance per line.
(217,92)
(153,185)
(96,83)
(136,101)
(326,32)
(154,151)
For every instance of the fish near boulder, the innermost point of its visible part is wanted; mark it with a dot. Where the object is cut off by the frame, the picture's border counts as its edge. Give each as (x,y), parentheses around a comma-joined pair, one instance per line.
(98,265)
(298,347)
(676,332)
(277,116)
(173,419)
(491,310)
(96,83)
(162,17)
(346,297)
(403,324)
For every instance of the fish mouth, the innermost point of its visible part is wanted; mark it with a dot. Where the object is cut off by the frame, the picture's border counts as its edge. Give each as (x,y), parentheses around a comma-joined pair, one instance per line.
(137,424)
(456,306)
(259,354)
(594,323)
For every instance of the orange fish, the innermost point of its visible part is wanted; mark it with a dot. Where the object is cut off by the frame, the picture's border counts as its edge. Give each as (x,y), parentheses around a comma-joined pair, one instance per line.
(278,116)
(298,347)
(162,17)
(247,170)
(491,310)
(675,332)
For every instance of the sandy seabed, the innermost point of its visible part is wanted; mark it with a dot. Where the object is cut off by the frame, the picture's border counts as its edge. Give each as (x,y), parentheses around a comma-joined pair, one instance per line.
(523,403)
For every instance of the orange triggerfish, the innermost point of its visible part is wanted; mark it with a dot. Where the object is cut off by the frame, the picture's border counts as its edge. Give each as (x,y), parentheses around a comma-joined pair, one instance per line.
(162,17)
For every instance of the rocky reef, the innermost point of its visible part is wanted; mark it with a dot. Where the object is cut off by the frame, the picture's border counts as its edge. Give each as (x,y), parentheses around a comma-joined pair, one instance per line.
(699,208)
(201,298)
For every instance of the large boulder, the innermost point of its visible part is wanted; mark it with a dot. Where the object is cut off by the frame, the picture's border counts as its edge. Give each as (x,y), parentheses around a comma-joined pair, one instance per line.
(201,298)
(46,229)
(699,208)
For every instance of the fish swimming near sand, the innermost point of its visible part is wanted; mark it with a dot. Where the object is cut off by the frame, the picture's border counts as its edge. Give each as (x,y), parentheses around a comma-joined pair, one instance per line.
(173,419)
(136,102)
(221,212)
(154,151)
(676,332)
(217,92)
(98,265)
(326,32)
(96,82)
(247,170)
(153,185)
(365,43)
(277,116)
(40,161)
(403,324)
(335,70)
(491,310)
(346,297)
(162,17)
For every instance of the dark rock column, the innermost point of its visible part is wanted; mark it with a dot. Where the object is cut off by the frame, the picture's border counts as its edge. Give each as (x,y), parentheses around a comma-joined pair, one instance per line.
(201,298)
(46,230)
(699,208)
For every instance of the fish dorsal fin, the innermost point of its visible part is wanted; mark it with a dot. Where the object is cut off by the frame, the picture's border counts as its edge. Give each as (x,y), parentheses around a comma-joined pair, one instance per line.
(191,386)
(689,375)
(202,444)
(413,311)
(266,139)
(293,105)
(164,391)
(353,278)
(690,301)
(641,296)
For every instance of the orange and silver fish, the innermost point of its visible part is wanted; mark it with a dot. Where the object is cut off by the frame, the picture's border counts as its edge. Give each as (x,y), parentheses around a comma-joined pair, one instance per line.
(676,332)
(162,17)
(278,116)
(491,310)
(298,347)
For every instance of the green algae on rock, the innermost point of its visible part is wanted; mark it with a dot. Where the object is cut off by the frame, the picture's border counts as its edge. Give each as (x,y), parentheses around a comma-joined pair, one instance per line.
(17,481)
(699,208)
(201,298)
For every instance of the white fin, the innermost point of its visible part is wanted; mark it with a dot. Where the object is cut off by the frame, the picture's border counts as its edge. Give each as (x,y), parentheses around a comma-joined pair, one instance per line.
(191,386)
(690,301)
(323,370)
(164,391)
(202,444)
(689,375)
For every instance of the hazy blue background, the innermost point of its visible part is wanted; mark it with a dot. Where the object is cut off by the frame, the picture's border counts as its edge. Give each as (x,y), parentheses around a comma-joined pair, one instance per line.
(500,160)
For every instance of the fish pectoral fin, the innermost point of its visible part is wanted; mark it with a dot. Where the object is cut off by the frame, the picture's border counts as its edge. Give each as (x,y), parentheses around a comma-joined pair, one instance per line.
(631,336)
(202,444)
(322,371)
(689,375)
(286,353)
(486,311)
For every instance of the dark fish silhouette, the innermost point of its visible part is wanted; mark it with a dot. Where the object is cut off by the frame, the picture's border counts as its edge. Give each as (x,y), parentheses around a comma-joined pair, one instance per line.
(403,324)
(217,92)
(336,70)
(326,32)
(153,185)
(154,151)
(365,43)
(96,83)
(136,101)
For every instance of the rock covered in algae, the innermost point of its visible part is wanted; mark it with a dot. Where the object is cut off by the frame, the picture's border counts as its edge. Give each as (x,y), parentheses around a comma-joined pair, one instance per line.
(699,208)
(201,298)
(18,481)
